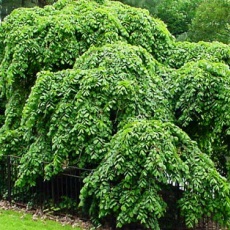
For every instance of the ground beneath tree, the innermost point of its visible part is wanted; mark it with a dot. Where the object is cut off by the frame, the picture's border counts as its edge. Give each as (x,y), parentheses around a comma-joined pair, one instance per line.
(64,219)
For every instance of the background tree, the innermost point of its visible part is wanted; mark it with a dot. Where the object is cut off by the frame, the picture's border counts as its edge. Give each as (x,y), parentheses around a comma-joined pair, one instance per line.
(211,22)
(45,2)
(177,14)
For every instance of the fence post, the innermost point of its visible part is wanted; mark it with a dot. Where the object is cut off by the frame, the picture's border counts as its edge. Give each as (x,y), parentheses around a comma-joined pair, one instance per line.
(9,178)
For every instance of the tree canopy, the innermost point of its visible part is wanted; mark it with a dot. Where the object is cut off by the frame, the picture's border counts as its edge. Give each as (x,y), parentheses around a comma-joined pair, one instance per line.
(102,85)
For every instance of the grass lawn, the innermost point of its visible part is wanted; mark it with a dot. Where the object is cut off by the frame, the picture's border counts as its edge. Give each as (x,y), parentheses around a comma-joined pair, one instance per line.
(12,220)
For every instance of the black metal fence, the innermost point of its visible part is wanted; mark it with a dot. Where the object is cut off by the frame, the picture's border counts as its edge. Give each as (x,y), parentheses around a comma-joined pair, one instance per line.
(61,192)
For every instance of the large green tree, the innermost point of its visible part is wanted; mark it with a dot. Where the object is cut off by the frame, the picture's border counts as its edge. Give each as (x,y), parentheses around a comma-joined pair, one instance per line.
(103,85)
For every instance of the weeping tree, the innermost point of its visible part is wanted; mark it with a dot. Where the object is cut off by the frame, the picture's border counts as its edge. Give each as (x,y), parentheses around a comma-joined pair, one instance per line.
(99,84)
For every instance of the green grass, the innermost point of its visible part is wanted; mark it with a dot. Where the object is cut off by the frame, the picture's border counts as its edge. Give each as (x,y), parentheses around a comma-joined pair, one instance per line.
(12,220)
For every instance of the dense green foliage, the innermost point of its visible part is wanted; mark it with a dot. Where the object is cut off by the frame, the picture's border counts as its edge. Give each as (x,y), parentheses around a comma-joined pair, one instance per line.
(87,105)
(99,84)
(184,52)
(201,95)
